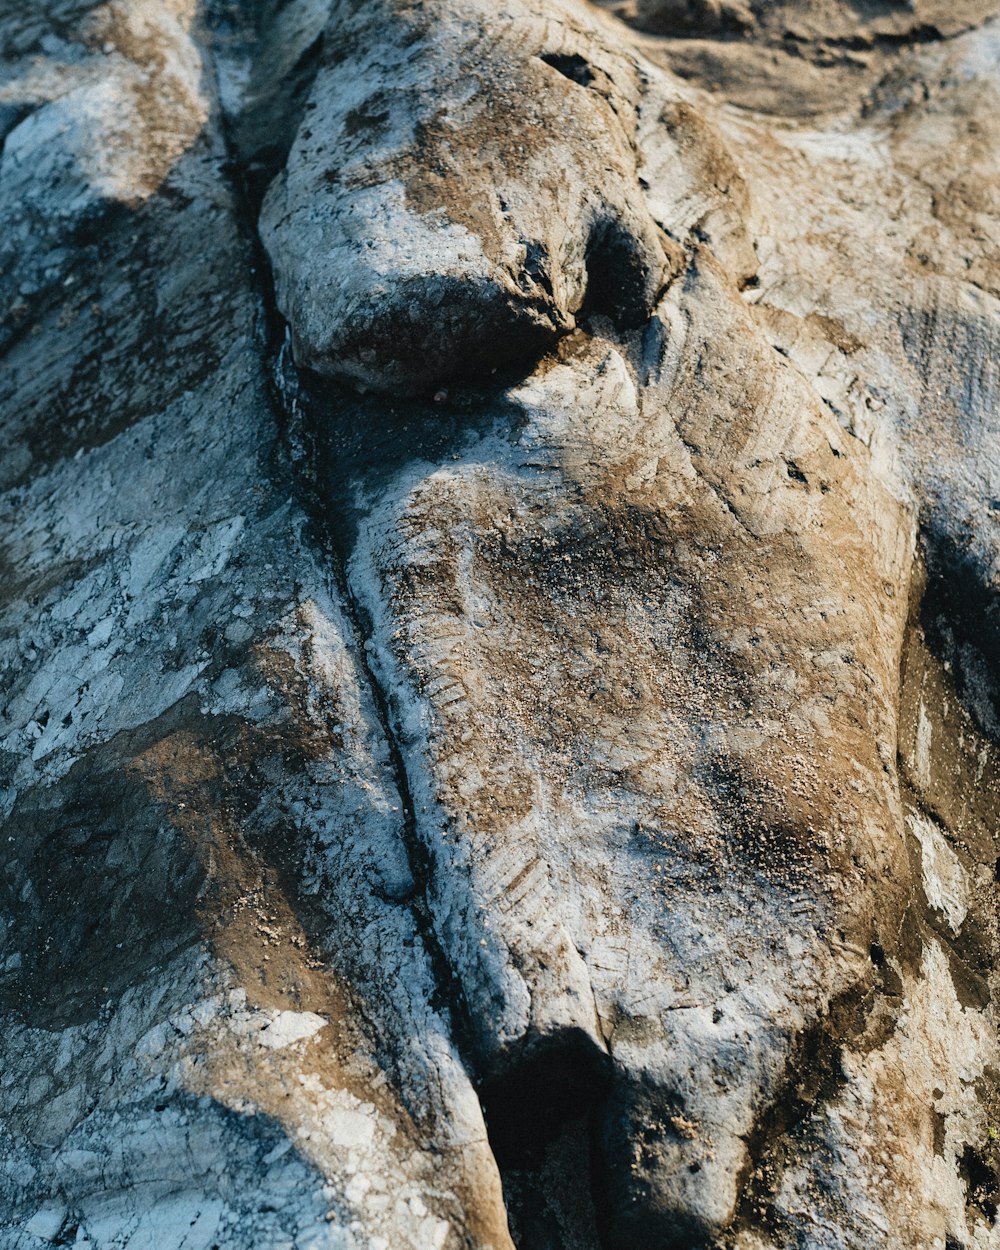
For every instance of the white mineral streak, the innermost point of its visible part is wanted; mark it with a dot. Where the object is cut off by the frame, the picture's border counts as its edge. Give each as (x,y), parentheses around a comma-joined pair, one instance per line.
(946,884)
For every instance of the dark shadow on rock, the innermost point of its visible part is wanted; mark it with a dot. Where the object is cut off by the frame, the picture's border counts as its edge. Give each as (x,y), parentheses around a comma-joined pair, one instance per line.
(540,1114)
(288,46)
(960,615)
(23,26)
(101,327)
(351,447)
(97,891)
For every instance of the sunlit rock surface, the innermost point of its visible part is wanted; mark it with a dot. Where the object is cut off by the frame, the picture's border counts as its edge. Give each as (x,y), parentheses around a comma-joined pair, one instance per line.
(461,181)
(499,630)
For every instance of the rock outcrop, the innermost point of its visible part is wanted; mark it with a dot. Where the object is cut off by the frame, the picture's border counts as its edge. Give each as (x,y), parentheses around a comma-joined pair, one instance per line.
(462,183)
(499,629)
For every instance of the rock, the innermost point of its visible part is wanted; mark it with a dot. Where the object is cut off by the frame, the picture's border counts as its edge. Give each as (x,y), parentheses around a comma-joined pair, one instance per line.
(796,57)
(431,223)
(548,616)
(831,23)
(499,735)
(204,843)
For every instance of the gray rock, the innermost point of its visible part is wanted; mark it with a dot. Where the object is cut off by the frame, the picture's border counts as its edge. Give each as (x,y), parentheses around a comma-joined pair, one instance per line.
(553,807)
(460,186)
(204,853)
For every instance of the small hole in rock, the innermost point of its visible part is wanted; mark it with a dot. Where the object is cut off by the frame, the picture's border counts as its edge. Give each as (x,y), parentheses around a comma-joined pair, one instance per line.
(618,284)
(573,67)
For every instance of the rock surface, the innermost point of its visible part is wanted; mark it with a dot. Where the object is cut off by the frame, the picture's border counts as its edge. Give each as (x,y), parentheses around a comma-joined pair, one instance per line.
(462,181)
(499,628)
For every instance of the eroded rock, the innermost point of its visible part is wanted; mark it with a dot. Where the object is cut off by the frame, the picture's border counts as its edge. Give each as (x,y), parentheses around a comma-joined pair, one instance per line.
(193,764)
(612,741)
(461,184)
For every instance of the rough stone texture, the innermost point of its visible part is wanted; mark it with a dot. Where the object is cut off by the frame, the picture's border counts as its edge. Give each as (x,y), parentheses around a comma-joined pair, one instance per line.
(588,731)
(220,1019)
(461,180)
(792,58)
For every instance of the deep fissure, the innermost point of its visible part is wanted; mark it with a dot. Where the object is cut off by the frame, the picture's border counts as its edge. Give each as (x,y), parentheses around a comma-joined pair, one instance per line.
(541,1114)
(540,1110)
(283,379)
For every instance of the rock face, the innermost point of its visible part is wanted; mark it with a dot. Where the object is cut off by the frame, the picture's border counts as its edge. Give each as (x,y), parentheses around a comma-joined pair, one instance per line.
(206,839)
(461,182)
(499,629)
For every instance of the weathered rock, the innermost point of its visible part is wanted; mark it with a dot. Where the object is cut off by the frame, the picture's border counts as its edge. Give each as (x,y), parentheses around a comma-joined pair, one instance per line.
(661,884)
(811,22)
(219,1027)
(792,57)
(461,183)
(613,740)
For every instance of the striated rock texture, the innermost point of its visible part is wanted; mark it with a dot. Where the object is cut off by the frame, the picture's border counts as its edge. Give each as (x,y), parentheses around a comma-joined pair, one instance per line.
(499,628)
